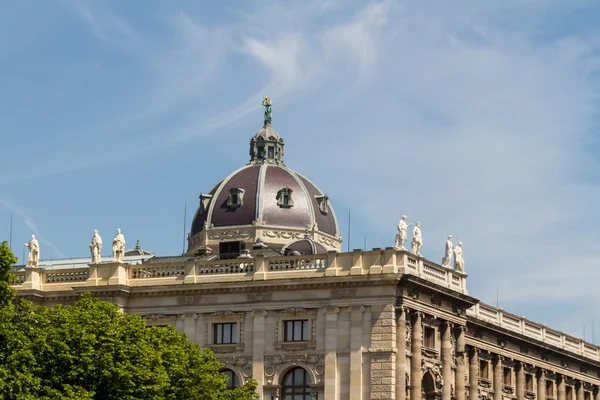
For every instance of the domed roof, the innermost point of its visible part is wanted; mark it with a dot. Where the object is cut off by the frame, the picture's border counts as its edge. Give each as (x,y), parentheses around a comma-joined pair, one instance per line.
(263,199)
(304,247)
(261,190)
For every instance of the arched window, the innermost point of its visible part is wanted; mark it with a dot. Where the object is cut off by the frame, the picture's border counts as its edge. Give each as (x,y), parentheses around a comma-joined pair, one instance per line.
(295,385)
(233,381)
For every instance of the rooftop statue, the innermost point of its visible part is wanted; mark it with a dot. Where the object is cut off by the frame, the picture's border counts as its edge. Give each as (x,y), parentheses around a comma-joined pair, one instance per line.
(118,247)
(459,261)
(417,240)
(266,102)
(448,255)
(96,248)
(34,252)
(401,236)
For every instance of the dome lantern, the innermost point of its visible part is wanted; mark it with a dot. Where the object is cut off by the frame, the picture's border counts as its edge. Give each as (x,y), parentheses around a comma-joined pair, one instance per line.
(266,146)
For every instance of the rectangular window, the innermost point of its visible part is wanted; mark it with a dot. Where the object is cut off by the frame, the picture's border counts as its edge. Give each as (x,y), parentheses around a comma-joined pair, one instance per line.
(569,393)
(295,331)
(261,152)
(225,333)
(484,371)
(507,376)
(549,388)
(529,382)
(429,335)
(271,153)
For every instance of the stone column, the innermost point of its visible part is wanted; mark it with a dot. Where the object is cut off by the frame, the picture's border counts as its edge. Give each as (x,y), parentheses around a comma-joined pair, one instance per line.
(356,342)
(474,374)
(498,378)
(520,370)
(258,350)
(579,389)
(331,317)
(596,393)
(541,384)
(401,356)
(415,365)
(447,360)
(562,390)
(460,363)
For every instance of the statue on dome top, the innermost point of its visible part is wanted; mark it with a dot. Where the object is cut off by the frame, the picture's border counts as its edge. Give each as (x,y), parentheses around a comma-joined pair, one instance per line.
(266,102)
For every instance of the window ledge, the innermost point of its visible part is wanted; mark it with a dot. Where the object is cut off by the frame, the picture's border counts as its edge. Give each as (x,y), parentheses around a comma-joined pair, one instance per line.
(295,346)
(226,348)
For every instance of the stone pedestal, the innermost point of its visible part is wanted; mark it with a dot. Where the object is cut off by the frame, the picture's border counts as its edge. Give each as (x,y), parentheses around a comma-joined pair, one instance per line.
(32,278)
(111,273)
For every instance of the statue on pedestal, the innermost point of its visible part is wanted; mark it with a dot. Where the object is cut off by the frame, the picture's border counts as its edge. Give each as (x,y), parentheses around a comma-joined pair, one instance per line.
(459,261)
(34,252)
(401,236)
(417,240)
(448,255)
(96,248)
(118,247)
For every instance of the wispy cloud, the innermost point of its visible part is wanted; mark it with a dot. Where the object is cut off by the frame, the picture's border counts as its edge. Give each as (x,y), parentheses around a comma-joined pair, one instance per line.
(26,216)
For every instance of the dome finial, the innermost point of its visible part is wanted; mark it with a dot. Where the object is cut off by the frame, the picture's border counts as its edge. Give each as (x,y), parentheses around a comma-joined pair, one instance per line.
(266,102)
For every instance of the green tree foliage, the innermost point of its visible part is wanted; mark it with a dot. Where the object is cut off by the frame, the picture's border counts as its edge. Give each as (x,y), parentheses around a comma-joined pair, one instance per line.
(92,350)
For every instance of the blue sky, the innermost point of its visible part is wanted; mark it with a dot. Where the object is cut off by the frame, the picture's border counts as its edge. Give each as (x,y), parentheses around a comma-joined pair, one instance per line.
(478,119)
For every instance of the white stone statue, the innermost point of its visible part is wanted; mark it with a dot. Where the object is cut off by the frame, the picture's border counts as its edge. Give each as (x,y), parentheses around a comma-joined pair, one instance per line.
(447,260)
(401,236)
(459,261)
(118,247)
(96,248)
(34,252)
(417,240)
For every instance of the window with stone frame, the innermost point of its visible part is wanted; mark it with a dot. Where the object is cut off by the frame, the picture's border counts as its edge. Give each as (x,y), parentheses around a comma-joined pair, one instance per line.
(296,331)
(225,333)
(429,337)
(549,388)
(507,376)
(284,198)
(233,380)
(529,382)
(484,369)
(236,198)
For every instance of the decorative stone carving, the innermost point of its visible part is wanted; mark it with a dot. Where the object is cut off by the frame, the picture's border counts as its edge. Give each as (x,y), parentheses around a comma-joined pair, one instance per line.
(508,389)
(408,336)
(189,300)
(235,234)
(437,303)
(459,261)
(284,234)
(315,361)
(259,296)
(417,240)
(332,244)
(401,235)
(118,247)
(453,349)
(34,252)
(96,248)
(342,293)
(447,259)
(435,372)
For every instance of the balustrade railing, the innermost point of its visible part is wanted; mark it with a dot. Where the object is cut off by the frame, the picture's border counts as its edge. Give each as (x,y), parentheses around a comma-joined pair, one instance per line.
(154,271)
(297,263)
(58,276)
(531,329)
(19,278)
(225,267)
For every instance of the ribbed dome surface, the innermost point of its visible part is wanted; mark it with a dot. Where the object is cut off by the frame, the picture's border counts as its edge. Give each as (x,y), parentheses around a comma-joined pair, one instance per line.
(261,185)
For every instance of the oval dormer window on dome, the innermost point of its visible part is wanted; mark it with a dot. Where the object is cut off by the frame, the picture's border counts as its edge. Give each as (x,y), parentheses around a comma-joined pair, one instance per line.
(284,198)
(236,198)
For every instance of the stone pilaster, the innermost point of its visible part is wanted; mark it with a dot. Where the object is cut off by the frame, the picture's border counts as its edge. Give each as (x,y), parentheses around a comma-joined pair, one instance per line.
(520,372)
(189,325)
(416,375)
(562,390)
(579,390)
(383,353)
(356,359)
(401,355)
(541,384)
(474,373)
(258,349)
(447,360)
(498,378)
(460,363)
(596,393)
(331,318)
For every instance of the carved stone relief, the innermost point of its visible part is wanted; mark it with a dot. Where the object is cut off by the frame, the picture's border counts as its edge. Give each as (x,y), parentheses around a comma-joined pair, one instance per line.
(344,293)
(408,337)
(259,296)
(189,300)
(237,234)
(273,362)
(284,234)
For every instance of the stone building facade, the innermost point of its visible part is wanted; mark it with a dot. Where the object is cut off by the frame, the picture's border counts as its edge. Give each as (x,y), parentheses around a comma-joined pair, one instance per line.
(265,287)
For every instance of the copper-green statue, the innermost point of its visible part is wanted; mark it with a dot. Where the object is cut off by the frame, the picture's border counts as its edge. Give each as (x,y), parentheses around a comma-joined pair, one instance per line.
(267,104)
